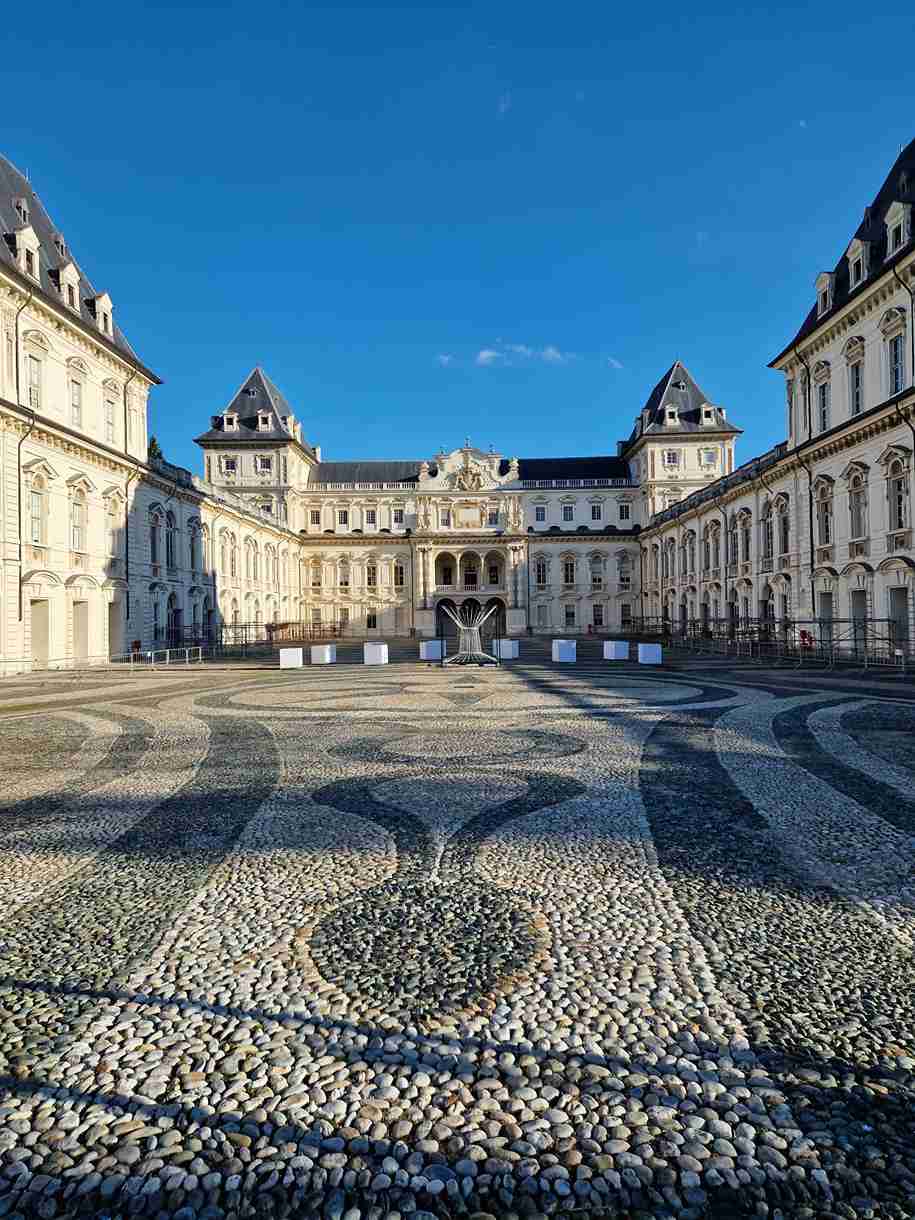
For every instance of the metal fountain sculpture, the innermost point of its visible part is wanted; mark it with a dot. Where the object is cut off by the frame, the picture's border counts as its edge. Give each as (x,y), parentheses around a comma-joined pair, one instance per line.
(470,643)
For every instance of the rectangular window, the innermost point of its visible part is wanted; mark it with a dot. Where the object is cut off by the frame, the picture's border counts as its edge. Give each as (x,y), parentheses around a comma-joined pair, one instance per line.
(229,465)
(34,382)
(30,262)
(493,517)
(597,581)
(493,574)
(342,516)
(540,513)
(597,512)
(398,516)
(109,421)
(343,617)
(371,621)
(265,465)
(896,237)
(316,578)
(671,457)
(540,573)
(446,517)
(71,296)
(568,572)
(823,405)
(598,619)
(569,616)
(343,578)
(568,512)
(625,582)
(625,613)
(398,575)
(76,404)
(857,270)
(624,512)
(709,457)
(316,616)
(541,616)
(897,370)
(856,387)
(446,574)
(371,576)
(314,516)
(370,516)
(36,515)
(824,300)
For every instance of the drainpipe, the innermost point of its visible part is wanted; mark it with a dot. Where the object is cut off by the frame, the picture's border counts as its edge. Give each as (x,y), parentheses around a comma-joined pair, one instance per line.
(809,525)
(912,338)
(22,441)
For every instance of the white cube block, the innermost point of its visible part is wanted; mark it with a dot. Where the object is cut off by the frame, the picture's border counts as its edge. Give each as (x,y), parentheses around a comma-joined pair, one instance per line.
(616,650)
(432,650)
(564,650)
(323,654)
(291,658)
(649,654)
(374,654)
(505,650)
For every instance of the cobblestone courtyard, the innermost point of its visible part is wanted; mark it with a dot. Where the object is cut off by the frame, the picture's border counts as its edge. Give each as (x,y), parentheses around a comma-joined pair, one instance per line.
(404,942)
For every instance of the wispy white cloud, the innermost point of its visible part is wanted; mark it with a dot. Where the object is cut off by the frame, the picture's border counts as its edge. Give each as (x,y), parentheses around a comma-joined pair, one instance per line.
(613,362)
(505,104)
(802,123)
(445,358)
(521,353)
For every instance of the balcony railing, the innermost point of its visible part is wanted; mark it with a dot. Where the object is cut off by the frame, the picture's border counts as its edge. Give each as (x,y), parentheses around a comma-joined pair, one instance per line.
(471,587)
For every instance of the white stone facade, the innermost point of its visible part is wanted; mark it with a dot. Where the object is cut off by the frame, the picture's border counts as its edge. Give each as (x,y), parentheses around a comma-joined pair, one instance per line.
(104,550)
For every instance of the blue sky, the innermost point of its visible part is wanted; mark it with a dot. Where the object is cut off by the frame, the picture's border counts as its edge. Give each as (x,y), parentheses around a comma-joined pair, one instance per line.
(368,199)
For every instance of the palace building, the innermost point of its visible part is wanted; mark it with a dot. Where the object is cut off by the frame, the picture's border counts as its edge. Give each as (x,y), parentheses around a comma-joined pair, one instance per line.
(105,549)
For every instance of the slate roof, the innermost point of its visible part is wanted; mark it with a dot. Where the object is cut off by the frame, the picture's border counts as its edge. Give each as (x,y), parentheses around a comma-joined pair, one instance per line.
(898,186)
(677,388)
(528,468)
(394,471)
(15,186)
(256,395)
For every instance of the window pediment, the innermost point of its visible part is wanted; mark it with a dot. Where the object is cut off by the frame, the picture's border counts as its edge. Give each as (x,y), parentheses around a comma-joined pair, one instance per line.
(895,453)
(821,371)
(853,349)
(36,338)
(80,482)
(40,467)
(892,321)
(823,485)
(113,492)
(77,365)
(825,289)
(855,468)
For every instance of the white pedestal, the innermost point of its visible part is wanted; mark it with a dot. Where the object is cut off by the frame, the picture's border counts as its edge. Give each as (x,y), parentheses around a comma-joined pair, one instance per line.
(649,654)
(505,650)
(432,650)
(291,658)
(564,650)
(374,654)
(323,654)
(616,650)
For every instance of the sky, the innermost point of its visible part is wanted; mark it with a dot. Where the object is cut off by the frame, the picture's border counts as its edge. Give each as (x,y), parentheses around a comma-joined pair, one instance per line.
(427,222)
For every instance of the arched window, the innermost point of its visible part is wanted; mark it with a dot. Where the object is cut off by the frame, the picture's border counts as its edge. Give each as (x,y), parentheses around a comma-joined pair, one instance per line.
(193,548)
(732,541)
(371,576)
(170,533)
(568,571)
(597,573)
(343,576)
(78,521)
(113,525)
(768,533)
(255,561)
(155,525)
(233,557)
(784,527)
(857,506)
(898,489)
(824,514)
(691,553)
(38,512)
(224,555)
(316,574)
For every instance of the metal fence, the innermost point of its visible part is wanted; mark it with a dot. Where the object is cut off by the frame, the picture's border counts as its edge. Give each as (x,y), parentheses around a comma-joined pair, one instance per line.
(830,642)
(154,657)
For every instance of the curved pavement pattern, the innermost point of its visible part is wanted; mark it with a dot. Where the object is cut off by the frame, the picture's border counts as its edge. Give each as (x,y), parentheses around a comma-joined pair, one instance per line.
(424,943)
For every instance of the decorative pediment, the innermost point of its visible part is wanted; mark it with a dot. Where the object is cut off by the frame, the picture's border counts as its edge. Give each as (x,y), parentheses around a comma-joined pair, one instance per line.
(821,371)
(853,349)
(38,339)
(895,453)
(855,468)
(80,482)
(113,492)
(892,321)
(78,365)
(823,485)
(38,466)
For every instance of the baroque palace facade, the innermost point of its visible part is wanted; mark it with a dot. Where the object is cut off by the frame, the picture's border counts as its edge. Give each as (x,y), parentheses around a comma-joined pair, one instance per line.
(105,549)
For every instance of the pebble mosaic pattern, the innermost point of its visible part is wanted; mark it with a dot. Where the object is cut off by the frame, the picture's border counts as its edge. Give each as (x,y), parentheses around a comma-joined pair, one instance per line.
(426,944)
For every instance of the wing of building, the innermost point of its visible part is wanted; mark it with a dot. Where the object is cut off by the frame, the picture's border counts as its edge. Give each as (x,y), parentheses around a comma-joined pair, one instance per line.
(107,550)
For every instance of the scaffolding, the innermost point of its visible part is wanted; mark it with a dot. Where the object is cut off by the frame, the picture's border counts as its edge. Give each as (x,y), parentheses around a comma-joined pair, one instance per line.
(829,642)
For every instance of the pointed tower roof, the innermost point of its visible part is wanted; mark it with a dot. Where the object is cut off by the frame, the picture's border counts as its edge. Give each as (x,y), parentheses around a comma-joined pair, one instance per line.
(255,397)
(677,388)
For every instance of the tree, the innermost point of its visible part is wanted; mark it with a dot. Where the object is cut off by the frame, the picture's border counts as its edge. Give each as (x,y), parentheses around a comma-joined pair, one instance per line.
(154,451)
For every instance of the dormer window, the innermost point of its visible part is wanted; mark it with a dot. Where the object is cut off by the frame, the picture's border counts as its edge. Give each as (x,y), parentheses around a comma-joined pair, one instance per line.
(30,262)
(824,293)
(672,416)
(22,210)
(71,296)
(708,415)
(60,246)
(231,423)
(263,422)
(857,271)
(898,226)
